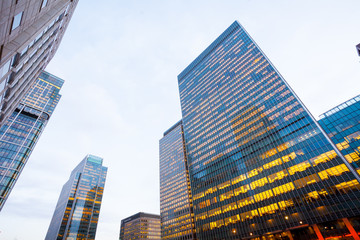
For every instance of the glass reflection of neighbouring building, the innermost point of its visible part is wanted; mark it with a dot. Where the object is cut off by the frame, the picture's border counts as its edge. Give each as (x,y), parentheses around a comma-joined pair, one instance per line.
(77,211)
(259,165)
(140,226)
(177,218)
(20,133)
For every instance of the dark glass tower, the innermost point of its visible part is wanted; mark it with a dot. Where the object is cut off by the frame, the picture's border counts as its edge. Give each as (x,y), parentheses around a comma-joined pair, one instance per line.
(140,226)
(77,211)
(176,211)
(259,164)
(342,124)
(20,133)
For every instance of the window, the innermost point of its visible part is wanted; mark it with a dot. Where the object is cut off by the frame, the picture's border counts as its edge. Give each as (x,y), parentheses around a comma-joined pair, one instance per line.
(5,68)
(16,21)
(43,4)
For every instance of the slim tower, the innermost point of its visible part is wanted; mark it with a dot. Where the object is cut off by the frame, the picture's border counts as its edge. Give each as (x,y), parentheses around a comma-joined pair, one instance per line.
(30,34)
(20,133)
(77,211)
(259,164)
(176,210)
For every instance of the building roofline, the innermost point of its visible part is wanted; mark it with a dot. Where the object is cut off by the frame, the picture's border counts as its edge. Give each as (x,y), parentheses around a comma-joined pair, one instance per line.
(172,127)
(139,215)
(340,107)
(234,26)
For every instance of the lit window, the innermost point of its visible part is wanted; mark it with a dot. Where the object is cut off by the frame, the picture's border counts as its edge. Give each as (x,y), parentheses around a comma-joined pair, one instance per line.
(16,21)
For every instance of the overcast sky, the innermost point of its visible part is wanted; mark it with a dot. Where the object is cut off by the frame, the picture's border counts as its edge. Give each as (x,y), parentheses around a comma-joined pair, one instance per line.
(120,61)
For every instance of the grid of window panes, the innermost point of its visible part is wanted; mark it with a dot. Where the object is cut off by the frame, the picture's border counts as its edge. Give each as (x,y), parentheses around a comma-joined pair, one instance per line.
(45,93)
(342,124)
(21,131)
(258,163)
(18,137)
(140,226)
(177,220)
(78,208)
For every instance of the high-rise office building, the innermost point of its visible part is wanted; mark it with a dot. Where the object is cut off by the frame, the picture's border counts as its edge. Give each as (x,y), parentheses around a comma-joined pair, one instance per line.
(20,133)
(176,211)
(140,226)
(342,124)
(260,166)
(30,33)
(77,211)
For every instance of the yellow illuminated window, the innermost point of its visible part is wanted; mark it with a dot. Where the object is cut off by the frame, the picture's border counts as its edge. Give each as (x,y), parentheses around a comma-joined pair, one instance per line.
(245,201)
(325,157)
(289,157)
(354,156)
(229,207)
(334,171)
(242,189)
(214,212)
(299,167)
(216,224)
(232,219)
(269,209)
(238,179)
(223,185)
(277,176)
(259,183)
(284,204)
(249,215)
(274,163)
(346,186)
(263,195)
(226,195)
(283,188)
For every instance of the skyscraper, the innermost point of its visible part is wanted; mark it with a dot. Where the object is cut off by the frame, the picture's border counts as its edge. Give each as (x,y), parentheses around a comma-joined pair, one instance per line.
(342,124)
(20,133)
(140,226)
(77,211)
(259,164)
(30,33)
(176,211)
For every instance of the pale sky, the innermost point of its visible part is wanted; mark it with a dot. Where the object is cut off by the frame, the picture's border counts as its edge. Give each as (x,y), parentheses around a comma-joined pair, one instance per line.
(120,60)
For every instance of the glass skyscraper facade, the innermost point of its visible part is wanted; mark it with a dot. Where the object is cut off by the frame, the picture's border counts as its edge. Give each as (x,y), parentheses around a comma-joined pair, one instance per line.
(260,166)
(176,211)
(77,211)
(20,133)
(342,124)
(140,226)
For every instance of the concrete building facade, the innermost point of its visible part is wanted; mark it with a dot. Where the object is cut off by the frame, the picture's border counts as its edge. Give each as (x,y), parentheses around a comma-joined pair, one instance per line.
(30,34)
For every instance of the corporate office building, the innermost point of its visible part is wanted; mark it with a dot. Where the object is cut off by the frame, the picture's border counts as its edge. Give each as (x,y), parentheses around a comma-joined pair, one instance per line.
(140,226)
(260,166)
(342,124)
(77,211)
(20,133)
(176,210)
(30,34)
